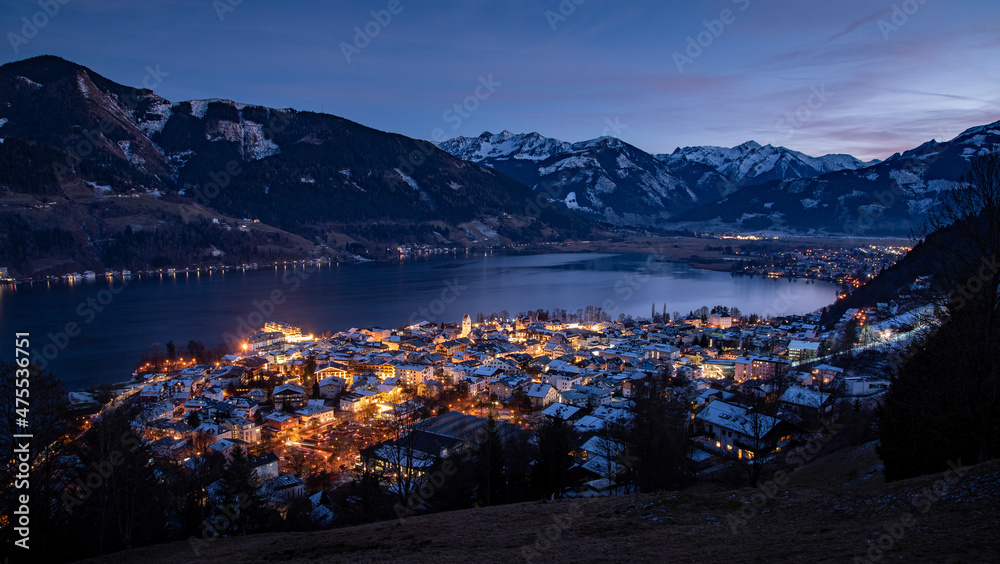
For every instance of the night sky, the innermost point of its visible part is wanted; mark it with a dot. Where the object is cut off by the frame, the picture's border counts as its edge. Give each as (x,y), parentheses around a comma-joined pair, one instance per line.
(857,76)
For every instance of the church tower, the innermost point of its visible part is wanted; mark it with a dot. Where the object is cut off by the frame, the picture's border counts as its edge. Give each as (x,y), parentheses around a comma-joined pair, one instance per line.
(466,325)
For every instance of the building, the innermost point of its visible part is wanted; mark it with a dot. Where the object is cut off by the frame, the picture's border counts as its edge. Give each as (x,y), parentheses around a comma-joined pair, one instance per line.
(720,321)
(280,421)
(315,414)
(413,374)
(741,432)
(808,404)
(466,325)
(288,394)
(264,341)
(542,395)
(246,431)
(803,350)
(769,368)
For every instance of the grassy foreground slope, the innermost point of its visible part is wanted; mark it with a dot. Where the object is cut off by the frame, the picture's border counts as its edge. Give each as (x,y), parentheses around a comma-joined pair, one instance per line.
(940,518)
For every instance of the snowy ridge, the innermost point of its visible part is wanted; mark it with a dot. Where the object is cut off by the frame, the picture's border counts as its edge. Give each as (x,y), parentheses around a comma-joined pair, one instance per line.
(522,146)
(751,163)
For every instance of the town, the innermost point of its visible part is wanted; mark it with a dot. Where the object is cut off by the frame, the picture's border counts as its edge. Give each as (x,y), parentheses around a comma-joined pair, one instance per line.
(313,416)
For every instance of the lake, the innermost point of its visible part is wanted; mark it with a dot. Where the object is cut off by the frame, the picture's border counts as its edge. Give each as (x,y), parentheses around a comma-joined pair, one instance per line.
(94,331)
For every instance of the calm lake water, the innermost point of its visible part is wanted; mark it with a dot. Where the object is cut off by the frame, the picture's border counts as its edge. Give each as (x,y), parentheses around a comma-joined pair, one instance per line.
(153,310)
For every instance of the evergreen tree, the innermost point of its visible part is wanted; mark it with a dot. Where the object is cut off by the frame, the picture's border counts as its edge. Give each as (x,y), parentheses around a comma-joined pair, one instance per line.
(490,484)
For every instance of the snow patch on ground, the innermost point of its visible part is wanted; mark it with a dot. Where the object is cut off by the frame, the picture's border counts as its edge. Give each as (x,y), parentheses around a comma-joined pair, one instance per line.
(571,201)
(873,176)
(199,108)
(768,205)
(30,83)
(907,179)
(82,83)
(160,108)
(3,122)
(307,180)
(922,207)
(409,181)
(940,185)
(248,134)
(809,203)
(454,185)
(604,185)
(624,163)
(573,162)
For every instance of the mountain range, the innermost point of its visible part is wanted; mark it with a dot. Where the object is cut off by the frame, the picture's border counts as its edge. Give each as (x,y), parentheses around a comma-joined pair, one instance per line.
(744,188)
(86,162)
(97,175)
(616,182)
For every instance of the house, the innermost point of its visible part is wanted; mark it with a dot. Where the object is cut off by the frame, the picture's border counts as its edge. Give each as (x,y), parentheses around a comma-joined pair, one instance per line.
(541,395)
(241,429)
(284,488)
(331,387)
(561,381)
(227,447)
(561,411)
(264,466)
(413,374)
(212,393)
(257,395)
(292,395)
(741,432)
(315,414)
(280,421)
(824,374)
(808,404)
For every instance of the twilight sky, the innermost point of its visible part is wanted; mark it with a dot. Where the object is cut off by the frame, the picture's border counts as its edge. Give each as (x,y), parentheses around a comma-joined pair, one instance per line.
(858,76)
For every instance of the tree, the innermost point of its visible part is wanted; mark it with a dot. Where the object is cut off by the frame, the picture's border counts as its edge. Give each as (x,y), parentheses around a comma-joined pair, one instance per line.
(657,456)
(555,440)
(193,420)
(944,402)
(239,503)
(48,461)
(490,465)
(171,351)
